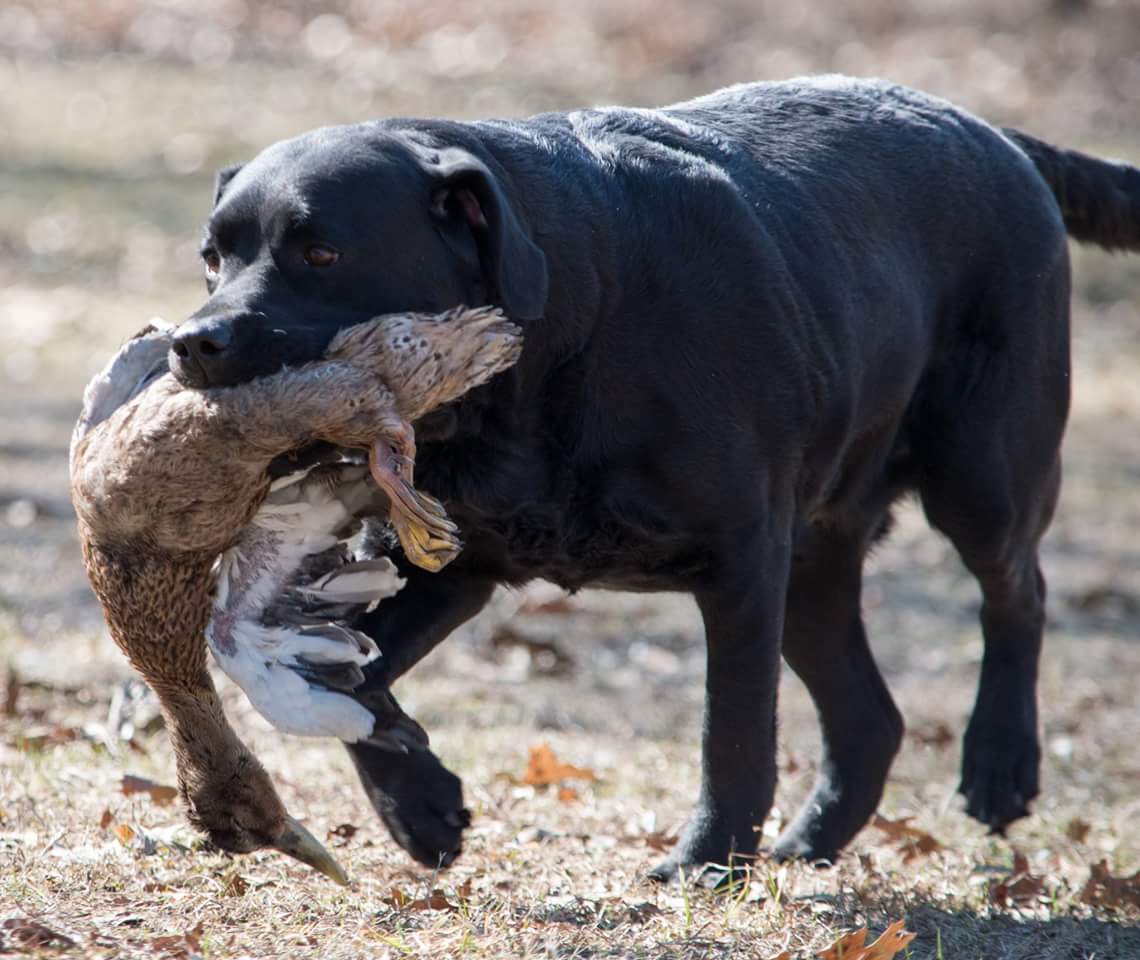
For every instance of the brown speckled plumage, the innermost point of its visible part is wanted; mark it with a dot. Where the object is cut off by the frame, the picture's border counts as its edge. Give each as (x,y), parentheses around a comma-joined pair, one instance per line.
(164,482)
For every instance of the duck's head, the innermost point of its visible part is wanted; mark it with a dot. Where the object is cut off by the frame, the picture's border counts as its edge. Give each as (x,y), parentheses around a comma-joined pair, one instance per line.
(230,797)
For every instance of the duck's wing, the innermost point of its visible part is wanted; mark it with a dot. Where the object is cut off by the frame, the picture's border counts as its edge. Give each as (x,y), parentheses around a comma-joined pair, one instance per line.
(286,594)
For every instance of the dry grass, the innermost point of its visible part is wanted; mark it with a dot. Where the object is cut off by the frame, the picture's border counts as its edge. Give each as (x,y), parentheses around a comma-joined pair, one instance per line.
(98,218)
(541,876)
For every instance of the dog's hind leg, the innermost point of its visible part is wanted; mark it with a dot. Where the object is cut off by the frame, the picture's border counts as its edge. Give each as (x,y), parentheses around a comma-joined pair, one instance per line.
(826,645)
(996,530)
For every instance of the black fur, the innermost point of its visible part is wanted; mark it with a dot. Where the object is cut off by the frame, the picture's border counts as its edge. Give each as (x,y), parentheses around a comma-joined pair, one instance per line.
(753,321)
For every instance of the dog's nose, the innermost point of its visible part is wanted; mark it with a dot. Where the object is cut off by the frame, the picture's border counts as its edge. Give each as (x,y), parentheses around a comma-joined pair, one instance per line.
(199,352)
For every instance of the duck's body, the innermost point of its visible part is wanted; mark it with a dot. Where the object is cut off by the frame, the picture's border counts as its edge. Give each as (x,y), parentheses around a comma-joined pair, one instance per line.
(167,480)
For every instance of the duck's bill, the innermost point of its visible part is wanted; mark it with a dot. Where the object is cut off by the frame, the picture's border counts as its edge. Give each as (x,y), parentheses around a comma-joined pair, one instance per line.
(428,536)
(302,845)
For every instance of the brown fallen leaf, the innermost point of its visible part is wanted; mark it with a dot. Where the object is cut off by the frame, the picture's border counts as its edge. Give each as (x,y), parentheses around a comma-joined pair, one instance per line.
(853,946)
(106,819)
(124,833)
(1077,830)
(847,947)
(41,739)
(28,934)
(933,735)
(343,832)
(234,885)
(895,939)
(544,768)
(567,795)
(159,793)
(436,900)
(1104,890)
(912,841)
(183,946)
(660,841)
(1020,888)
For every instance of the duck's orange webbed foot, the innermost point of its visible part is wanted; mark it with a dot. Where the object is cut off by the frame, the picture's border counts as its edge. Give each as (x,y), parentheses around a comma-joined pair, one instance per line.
(428,537)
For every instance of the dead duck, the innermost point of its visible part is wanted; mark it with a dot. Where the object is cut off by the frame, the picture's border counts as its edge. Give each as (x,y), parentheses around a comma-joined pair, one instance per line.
(185,535)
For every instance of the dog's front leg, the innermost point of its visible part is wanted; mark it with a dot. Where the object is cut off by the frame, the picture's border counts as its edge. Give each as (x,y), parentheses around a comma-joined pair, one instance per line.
(743,613)
(419,800)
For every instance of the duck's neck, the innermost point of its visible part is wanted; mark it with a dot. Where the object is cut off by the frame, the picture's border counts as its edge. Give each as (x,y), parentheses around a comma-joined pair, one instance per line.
(157,608)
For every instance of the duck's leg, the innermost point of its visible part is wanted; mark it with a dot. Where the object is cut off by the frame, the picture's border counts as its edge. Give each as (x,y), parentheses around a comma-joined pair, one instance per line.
(426,534)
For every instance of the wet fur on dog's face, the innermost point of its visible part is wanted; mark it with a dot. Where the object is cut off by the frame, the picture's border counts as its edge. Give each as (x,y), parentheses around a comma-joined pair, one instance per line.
(337,226)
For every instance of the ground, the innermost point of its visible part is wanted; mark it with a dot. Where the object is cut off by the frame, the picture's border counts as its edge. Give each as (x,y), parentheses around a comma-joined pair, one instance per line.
(114,115)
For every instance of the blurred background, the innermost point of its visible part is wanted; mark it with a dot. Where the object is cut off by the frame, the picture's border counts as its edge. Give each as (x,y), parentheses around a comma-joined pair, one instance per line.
(114,115)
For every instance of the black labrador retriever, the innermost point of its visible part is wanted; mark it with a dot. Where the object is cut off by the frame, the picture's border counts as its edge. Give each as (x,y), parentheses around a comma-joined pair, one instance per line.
(753,321)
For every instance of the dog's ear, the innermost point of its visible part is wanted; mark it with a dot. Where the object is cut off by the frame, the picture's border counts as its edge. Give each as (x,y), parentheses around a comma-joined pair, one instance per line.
(224,176)
(467,192)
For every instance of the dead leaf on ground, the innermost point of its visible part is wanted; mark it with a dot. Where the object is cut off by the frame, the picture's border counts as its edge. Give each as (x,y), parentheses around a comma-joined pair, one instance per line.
(1105,890)
(846,947)
(660,841)
(912,841)
(1077,830)
(106,819)
(1020,888)
(183,946)
(436,900)
(234,885)
(853,946)
(544,769)
(124,833)
(933,735)
(343,832)
(159,793)
(567,795)
(41,739)
(28,934)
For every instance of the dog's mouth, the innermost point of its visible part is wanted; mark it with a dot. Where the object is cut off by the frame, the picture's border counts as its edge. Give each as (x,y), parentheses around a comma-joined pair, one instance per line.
(430,540)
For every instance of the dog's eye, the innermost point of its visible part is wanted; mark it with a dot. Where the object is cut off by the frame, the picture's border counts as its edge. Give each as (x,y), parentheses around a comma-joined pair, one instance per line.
(213,262)
(318,255)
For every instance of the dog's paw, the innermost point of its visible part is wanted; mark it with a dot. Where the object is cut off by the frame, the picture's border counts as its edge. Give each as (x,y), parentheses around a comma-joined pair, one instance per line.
(707,856)
(419,800)
(999,777)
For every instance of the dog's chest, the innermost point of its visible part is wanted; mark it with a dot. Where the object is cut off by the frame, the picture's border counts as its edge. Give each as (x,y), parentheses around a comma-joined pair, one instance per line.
(580,532)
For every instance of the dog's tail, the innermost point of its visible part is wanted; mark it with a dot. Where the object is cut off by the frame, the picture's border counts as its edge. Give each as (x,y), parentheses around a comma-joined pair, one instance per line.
(1099,199)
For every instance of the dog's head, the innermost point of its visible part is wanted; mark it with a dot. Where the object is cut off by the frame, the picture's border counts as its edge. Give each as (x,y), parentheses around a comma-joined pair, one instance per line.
(342,224)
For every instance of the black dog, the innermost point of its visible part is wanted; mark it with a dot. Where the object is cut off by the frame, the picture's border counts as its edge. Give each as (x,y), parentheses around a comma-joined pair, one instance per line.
(753,321)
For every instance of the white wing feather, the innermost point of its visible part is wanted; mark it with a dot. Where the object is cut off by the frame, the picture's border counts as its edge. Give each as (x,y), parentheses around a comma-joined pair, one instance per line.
(302,516)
